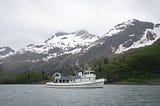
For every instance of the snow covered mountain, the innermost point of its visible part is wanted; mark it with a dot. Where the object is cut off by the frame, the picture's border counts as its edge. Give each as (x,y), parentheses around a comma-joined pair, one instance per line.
(61,43)
(5,52)
(127,35)
(83,45)
(138,34)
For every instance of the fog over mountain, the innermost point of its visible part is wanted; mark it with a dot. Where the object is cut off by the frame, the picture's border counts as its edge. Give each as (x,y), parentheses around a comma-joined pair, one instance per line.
(26,22)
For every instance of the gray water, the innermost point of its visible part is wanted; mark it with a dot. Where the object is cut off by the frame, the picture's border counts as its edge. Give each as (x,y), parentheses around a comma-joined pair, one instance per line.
(110,95)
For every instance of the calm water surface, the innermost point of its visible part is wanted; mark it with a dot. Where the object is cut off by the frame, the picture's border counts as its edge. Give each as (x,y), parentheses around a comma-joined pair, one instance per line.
(110,95)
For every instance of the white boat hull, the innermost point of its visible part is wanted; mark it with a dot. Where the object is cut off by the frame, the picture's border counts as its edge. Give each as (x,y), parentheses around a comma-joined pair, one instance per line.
(98,83)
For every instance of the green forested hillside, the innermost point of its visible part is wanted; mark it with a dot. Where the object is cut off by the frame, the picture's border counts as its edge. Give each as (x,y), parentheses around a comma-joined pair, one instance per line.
(137,65)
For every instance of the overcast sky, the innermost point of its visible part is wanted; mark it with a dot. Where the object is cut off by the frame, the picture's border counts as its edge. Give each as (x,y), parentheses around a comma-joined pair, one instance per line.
(32,21)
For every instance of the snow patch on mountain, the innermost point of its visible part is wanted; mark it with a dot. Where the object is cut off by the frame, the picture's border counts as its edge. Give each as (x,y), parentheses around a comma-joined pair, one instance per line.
(120,27)
(3,49)
(131,35)
(8,54)
(5,52)
(72,40)
(144,41)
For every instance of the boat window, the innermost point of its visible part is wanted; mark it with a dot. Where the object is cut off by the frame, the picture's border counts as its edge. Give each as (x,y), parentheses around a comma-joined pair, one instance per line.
(92,73)
(89,73)
(60,81)
(85,73)
(57,75)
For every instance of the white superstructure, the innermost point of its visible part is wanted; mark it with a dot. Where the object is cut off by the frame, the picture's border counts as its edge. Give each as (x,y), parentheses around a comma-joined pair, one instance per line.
(84,79)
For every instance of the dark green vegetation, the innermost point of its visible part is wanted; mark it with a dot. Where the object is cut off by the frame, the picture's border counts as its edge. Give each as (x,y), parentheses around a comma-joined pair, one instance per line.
(23,77)
(137,65)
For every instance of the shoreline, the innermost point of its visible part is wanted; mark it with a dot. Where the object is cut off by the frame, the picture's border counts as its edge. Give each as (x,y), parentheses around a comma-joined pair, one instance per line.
(106,83)
(133,83)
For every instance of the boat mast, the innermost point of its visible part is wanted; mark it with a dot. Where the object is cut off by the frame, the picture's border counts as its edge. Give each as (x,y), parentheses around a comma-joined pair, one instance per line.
(79,66)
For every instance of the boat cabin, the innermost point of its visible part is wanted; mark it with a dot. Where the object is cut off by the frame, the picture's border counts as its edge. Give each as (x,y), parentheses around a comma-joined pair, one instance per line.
(85,75)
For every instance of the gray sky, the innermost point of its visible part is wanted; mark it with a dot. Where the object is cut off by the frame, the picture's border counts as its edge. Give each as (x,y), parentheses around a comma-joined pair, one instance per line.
(32,21)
